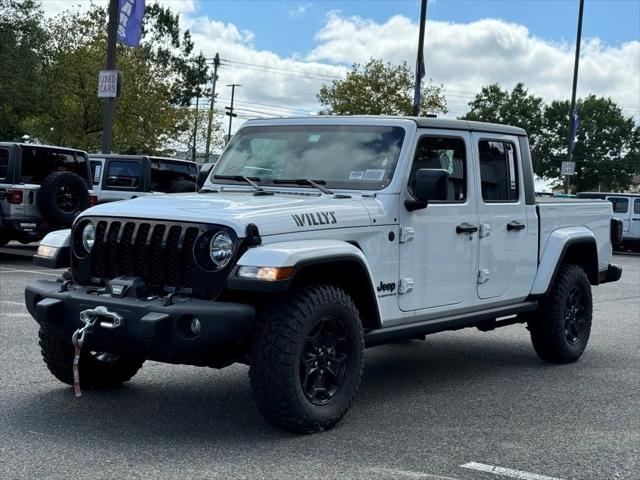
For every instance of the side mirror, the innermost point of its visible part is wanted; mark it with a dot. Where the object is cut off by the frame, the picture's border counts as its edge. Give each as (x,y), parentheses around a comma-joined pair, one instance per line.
(203,174)
(430,184)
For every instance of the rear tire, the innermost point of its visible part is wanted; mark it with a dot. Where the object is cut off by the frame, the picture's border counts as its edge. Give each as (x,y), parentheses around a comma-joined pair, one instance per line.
(4,239)
(560,330)
(62,196)
(307,359)
(97,369)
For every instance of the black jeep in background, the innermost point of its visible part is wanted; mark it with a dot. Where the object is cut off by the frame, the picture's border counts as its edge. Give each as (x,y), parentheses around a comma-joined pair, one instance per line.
(42,188)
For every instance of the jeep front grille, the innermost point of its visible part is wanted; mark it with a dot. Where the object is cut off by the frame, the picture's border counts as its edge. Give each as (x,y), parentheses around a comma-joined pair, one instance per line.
(161,254)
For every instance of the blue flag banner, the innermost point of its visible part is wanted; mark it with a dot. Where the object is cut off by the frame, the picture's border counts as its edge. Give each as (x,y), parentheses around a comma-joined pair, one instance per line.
(575,123)
(130,13)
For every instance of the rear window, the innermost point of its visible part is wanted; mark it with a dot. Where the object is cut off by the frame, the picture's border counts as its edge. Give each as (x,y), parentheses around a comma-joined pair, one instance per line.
(620,204)
(38,163)
(4,163)
(123,174)
(636,205)
(166,172)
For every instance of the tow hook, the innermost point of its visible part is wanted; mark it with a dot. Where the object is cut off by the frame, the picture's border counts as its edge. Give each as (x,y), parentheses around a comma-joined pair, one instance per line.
(106,318)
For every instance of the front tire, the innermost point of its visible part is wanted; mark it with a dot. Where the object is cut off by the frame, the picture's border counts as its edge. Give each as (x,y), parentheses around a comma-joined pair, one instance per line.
(560,330)
(307,359)
(97,369)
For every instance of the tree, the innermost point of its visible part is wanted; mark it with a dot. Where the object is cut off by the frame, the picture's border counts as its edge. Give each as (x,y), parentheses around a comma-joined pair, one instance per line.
(22,43)
(159,76)
(379,89)
(518,108)
(607,147)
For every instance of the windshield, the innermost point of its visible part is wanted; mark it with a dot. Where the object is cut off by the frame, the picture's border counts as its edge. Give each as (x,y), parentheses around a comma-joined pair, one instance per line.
(358,157)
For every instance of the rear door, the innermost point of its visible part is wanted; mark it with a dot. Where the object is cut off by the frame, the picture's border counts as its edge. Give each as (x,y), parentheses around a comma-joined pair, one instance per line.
(122,179)
(508,244)
(621,210)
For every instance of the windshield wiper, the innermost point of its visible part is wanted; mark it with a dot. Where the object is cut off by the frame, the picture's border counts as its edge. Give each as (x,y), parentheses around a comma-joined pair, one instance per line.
(241,178)
(304,181)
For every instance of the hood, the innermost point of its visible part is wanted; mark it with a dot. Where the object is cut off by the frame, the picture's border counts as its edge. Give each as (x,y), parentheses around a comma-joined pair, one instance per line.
(273,214)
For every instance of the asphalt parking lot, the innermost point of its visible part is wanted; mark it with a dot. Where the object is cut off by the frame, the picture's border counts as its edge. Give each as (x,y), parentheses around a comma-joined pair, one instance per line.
(425,409)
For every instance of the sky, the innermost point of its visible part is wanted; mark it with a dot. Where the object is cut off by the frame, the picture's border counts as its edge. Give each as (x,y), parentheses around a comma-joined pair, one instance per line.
(281,52)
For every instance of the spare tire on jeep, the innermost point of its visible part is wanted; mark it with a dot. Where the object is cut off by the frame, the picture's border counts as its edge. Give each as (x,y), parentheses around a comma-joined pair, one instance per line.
(62,196)
(182,186)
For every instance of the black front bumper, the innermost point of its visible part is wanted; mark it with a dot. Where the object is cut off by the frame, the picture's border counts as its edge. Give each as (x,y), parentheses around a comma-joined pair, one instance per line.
(151,328)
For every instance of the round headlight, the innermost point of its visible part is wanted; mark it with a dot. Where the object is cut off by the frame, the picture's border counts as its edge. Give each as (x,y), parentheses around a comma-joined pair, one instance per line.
(221,249)
(88,236)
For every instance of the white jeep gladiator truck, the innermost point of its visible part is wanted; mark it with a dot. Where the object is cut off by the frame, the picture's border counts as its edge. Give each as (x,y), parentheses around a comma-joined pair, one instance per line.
(314,238)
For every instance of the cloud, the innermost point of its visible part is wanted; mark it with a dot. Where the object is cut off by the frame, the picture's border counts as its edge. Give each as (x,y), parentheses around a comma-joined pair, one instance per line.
(299,9)
(462,56)
(466,56)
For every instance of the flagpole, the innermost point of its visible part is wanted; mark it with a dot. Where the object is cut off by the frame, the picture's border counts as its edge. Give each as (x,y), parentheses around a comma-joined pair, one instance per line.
(107,112)
(420,60)
(572,109)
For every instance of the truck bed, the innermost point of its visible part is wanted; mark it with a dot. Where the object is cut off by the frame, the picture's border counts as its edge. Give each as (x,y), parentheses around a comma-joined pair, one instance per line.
(555,213)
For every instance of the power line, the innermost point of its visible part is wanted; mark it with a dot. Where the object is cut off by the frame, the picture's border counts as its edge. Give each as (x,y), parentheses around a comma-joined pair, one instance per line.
(281,69)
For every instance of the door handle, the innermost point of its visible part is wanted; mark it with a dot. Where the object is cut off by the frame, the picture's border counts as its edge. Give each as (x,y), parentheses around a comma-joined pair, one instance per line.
(466,228)
(515,226)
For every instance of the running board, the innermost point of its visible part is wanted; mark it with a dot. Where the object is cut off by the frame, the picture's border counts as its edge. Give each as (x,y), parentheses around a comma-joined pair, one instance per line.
(485,320)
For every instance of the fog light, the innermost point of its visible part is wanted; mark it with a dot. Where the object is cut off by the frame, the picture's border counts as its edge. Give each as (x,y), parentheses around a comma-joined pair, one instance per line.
(196,327)
(270,274)
(46,251)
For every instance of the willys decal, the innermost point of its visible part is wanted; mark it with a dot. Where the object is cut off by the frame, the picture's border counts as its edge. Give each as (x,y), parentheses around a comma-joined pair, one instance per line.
(314,218)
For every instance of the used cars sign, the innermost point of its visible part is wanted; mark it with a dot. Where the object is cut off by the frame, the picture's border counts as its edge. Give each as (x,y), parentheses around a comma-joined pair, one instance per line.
(108,83)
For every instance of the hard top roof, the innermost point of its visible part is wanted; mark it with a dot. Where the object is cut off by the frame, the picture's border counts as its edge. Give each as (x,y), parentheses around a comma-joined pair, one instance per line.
(421,122)
(135,157)
(39,145)
(609,194)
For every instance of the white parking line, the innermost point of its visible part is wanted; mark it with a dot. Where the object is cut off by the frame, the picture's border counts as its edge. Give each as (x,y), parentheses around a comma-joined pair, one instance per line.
(9,302)
(408,474)
(35,272)
(506,472)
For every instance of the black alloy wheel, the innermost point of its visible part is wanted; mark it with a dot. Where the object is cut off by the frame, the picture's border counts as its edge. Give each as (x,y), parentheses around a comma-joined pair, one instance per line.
(574,321)
(323,360)
(68,198)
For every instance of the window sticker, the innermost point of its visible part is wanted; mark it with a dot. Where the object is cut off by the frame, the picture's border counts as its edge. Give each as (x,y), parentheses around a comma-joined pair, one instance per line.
(374,174)
(356,175)
(313,138)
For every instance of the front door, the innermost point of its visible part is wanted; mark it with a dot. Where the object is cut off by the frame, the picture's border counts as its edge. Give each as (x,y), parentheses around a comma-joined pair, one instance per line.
(508,243)
(440,260)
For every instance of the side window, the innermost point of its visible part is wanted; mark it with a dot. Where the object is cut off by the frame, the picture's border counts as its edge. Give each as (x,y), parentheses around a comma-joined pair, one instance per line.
(498,171)
(443,153)
(96,171)
(620,204)
(636,205)
(4,163)
(123,174)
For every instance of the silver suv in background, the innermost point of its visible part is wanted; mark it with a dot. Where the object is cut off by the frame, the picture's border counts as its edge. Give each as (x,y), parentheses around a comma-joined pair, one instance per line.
(42,188)
(121,177)
(626,207)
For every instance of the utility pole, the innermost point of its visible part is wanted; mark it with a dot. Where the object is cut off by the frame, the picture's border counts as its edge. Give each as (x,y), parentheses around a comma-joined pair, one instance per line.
(420,70)
(108,107)
(230,112)
(216,62)
(572,109)
(195,127)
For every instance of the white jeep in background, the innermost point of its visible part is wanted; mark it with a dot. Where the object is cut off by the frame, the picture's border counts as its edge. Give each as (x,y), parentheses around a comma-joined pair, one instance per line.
(316,237)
